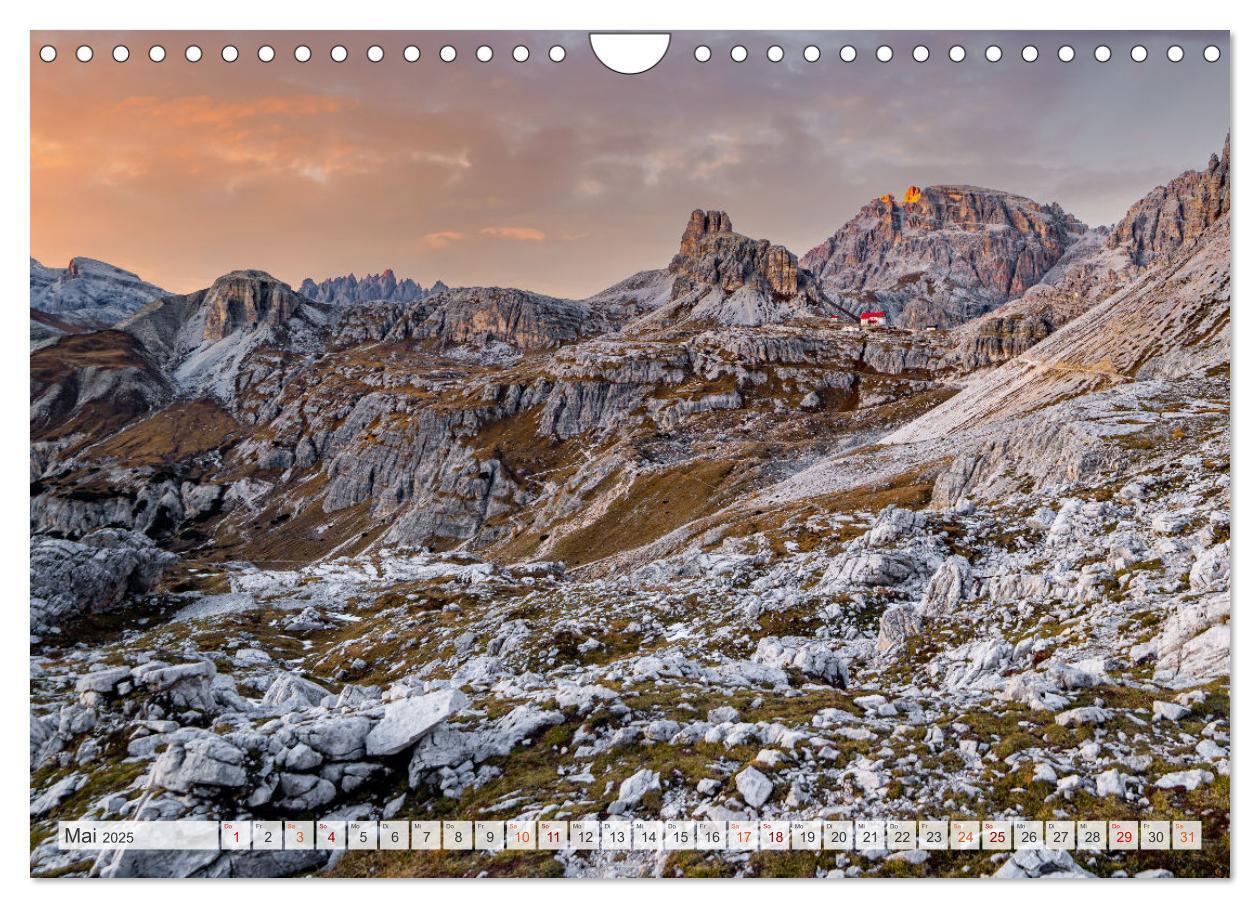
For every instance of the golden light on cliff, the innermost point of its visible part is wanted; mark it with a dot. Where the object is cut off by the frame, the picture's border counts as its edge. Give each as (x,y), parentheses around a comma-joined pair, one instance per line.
(913,194)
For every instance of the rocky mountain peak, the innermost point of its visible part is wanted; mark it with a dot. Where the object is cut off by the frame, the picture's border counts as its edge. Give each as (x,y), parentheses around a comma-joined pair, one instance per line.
(243,299)
(723,276)
(89,292)
(943,254)
(701,224)
(712,253)
(1171,216)
(349,289)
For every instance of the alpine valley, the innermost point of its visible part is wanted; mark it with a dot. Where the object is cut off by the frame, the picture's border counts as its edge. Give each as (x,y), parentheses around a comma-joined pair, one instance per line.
(700,546)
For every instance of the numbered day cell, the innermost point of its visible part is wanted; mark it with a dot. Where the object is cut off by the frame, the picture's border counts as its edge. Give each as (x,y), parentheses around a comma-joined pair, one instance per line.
(837,835)
(395,835)
(235,835)
(807,835)
(933,835)
(680,835)
(964,835)
(711,836)
(521,835)
(457,835)
(488,835)
(647,835)
(584,835)
(361,835)
(1091,834)
(1061,834)
(267,835)
(1187,835)
(299,835)
(1155,835)
(776,835)
(741,835)
(902,835)
(330,835)
(868,835)
(615,835)
(995,835)
(553,834)
(1028,834)
(426,835)
(1122,835)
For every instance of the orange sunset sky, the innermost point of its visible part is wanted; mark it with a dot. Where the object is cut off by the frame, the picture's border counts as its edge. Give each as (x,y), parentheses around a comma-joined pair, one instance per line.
(565,177)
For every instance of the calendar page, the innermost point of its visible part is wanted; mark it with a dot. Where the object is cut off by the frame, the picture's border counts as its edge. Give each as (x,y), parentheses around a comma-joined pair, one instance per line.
(592,455)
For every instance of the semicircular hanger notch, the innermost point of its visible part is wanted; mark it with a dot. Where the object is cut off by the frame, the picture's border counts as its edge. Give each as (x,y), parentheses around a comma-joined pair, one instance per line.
(630,53)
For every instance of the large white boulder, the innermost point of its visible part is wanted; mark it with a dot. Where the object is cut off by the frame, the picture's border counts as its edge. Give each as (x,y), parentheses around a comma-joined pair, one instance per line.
(405,721)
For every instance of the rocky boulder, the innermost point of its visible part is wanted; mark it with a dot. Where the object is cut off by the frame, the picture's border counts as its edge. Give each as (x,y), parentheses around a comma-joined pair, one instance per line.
(71,579)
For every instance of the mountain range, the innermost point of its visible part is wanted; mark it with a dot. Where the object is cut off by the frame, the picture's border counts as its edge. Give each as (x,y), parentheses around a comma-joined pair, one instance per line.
(999,521)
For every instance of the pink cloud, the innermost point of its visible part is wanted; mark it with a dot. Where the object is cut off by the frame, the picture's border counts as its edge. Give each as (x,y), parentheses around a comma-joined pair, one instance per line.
(527,234)
(443,238)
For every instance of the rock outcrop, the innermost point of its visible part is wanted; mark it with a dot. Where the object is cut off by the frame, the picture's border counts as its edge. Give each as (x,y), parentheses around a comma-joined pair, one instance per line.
(384,287)
(70,579)
(943,255)
(89,293)
(1173,215)
(726,277)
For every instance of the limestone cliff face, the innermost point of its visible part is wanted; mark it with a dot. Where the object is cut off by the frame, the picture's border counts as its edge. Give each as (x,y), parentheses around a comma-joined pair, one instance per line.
(347,289)
(943,255)
(1171,216)
(711,253)
(483,316)
(90,293)
(1168,219)
(729,278)
(244,299)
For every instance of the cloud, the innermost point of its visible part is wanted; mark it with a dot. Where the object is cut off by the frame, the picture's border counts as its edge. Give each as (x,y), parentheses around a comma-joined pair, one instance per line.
(525,234)
(443,238)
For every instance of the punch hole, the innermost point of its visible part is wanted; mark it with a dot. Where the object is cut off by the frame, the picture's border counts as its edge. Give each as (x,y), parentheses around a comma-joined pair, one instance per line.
(627,53)
(1138,54)
(266,53)
(229,53)
(302,53)
(958,53)
(1175,53)
(83,53)
(375,53)
(1030,53)
(812,54)
(339,53)
(485,53)
(411,53)
(883,53)
(557,54)
(192,53)
(520,53)
(121,53)
(993,53)
(157,53)
(848,53)
(921,53)
(1211,53)
(1102,53)
(1067,53)
(774,53)
(48,53)
(739,53)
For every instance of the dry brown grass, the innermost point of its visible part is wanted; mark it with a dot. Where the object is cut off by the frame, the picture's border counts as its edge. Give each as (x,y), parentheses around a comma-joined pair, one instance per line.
(182,430)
